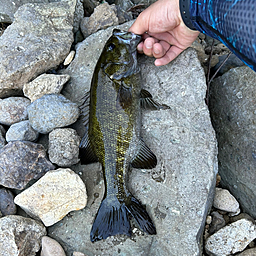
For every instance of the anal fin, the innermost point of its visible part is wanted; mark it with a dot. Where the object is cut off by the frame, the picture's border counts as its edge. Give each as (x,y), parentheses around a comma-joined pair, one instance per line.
(145,159)
(86,153)
(147,102)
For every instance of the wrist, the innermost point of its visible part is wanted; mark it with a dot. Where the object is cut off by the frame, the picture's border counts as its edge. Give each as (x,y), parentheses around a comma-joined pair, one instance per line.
(185,14)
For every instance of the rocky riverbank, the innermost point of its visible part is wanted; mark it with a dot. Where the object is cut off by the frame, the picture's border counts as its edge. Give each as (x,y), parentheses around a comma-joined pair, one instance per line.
(49,200)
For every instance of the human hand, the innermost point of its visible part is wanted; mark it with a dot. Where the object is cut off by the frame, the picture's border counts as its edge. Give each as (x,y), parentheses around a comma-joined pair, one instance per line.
(164,32)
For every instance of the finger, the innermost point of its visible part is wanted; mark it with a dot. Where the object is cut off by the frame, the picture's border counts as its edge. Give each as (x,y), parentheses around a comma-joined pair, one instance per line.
(148,46)
(140,25)
(169,56)
(160,49)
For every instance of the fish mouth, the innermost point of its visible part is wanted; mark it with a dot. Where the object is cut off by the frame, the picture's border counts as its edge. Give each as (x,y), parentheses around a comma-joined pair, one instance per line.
(128,38)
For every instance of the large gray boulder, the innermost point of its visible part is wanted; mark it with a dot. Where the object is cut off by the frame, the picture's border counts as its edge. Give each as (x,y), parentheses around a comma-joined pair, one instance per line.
(179,191)
(232,107)
(39,39)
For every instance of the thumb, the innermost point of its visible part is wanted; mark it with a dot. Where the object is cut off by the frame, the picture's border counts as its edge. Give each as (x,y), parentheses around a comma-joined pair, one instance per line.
(140,25)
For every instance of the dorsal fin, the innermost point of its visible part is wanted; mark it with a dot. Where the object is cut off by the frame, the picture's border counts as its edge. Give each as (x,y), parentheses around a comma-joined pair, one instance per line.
(86,153)
(147,102)
(145,159)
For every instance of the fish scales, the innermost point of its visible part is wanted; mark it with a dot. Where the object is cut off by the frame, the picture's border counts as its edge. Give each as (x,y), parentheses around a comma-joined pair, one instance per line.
(113,137)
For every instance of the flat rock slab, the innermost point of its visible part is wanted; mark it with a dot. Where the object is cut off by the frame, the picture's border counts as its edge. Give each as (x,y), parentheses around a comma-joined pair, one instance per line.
(179,191)
(39,39)
(56,194)
(22,161)
(231,239)
(20,236)
(232,107)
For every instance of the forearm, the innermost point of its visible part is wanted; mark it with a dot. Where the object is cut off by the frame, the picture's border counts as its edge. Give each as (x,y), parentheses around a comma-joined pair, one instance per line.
(232,22)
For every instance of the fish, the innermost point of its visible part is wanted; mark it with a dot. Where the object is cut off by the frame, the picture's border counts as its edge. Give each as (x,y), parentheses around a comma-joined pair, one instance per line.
(111,113)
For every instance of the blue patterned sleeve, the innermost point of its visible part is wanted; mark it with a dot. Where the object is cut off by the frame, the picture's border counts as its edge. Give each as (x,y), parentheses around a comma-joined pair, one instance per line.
(233,22)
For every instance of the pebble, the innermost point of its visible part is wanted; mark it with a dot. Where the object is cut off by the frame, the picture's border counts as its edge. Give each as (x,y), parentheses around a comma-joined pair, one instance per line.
(21,131)
(13,110)
(44,84)
(56,194)
(218,222)
(52,111)
(7,205)
(79,254)
(69,58)
(22,161)
(231,239)
(64,147)
(224,201)
(20,236)
(51,247)
(2,136)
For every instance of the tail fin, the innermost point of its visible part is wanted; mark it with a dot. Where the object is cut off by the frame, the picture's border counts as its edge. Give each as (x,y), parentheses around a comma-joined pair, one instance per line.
(112,218)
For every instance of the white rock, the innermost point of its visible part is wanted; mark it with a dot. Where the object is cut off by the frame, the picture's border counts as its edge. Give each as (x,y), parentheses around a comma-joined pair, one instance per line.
(56,194)
(231,239)
(69,58)
(224,201)
(44,84)
(78,254)
(51,247)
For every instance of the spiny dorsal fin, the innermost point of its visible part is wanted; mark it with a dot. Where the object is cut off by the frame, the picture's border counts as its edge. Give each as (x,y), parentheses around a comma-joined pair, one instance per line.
(86,153)
(145,159)
(84,108)
(147,102)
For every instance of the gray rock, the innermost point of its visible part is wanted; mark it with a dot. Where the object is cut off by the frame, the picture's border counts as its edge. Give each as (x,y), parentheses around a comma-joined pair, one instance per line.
(56,194)
(179,191)
(248,252)
(242,216)
(52,111)
(7,205)
(103,17)
(50,247)
(2,136)
(231,239)
(39,39)
(21,131)
(64,147)
(44,84)
(232,107)
(224,201)
(20,236)
(22,161)
(217,223)
(13,110)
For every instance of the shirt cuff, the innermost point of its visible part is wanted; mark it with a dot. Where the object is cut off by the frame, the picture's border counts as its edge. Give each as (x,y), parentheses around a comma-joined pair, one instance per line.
(185,14)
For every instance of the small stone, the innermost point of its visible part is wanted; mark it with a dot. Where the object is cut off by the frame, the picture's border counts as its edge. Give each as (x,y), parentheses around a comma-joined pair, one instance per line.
(208,219)
(51,247)
(7,205)
(64,147)
(78,254)
(22,161)
(52,111)
(218,222)
(224,201)
(231,239)
(2,136)
(13,110)
(20,236)
(44,84)
(248,252)
(56,194)
(103,17)
(69,58)
(21,131)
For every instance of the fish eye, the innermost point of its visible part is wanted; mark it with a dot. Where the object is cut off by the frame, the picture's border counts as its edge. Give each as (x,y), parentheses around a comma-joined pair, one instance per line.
(111,47)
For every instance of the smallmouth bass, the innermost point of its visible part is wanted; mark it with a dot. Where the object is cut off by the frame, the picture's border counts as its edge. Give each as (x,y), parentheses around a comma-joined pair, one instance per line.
(112,114)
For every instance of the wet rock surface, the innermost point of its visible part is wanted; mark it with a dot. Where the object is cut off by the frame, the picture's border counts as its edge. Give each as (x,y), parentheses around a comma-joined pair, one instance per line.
(52,111)
(36,50)
(20,236)
(2,136)
(22,161)
(54,195)
(7,206)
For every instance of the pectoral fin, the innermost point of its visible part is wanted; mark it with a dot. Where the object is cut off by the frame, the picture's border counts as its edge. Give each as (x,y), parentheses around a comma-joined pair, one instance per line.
(147,102)
(84,108)
(145,159)
(86,153)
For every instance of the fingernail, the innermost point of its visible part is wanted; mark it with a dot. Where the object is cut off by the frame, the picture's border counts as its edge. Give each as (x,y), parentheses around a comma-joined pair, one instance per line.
(156,51)
(149,45)
(139,48)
